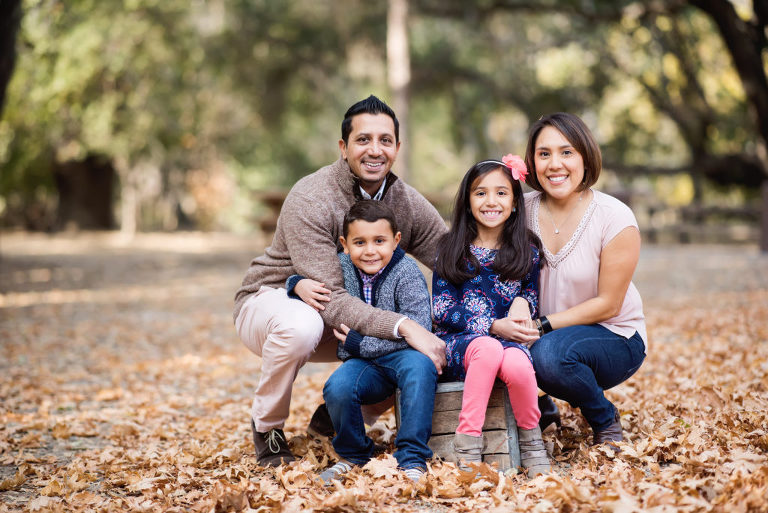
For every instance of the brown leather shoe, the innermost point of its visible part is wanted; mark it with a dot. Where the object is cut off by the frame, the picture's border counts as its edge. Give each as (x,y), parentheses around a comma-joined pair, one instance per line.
(320,425)
(550,414)
(611,433)
(271,447)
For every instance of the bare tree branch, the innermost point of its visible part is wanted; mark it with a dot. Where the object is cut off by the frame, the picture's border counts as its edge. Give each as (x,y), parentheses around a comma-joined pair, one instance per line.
(745,42)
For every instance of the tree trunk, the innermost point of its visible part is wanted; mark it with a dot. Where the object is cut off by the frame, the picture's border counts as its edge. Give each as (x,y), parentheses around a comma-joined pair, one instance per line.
(10,19)
(86,191)
(764,219)
(745,42)
(399,76)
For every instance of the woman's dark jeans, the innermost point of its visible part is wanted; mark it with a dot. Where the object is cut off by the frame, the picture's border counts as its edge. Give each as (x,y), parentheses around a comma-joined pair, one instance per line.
(578,363)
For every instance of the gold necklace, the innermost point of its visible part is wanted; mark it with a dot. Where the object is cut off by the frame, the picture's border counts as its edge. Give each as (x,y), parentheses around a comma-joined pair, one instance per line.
(552,219)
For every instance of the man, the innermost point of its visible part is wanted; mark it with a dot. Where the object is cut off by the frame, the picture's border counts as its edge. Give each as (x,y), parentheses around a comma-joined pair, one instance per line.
(287,333)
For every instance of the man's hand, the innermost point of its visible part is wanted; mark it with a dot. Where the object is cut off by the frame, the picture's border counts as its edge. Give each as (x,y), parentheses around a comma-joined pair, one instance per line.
(313,293)
(424,342)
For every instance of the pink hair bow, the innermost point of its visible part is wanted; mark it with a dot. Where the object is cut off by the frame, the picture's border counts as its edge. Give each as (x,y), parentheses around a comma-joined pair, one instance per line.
(516,165)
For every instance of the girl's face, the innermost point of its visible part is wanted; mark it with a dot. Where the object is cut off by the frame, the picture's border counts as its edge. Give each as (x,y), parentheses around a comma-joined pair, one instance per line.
(559,167)
(491,201)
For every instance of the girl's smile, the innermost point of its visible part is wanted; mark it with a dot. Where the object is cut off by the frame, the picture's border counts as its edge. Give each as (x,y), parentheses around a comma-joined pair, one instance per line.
(491,201)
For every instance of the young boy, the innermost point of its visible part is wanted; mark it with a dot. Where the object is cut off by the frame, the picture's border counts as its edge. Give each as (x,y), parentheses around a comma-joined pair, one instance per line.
(377,271)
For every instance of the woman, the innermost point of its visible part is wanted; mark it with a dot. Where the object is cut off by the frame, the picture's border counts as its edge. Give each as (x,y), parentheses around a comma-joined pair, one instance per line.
(592,326)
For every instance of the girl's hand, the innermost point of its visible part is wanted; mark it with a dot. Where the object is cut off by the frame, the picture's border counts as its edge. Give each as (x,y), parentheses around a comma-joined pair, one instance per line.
(519,311)
(524,331)
(341,335)
(312,293)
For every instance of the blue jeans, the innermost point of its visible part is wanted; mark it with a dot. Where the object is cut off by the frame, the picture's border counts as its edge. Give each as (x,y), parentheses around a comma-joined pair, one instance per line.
(358,381)
(578,363)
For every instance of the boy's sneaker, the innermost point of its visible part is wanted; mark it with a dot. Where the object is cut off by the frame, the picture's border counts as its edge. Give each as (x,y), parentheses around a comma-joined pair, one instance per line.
(320,425)
(335,472)
(271,447)
(414,474)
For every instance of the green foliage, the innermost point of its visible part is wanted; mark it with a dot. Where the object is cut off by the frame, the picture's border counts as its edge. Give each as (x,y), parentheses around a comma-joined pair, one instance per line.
(249,94)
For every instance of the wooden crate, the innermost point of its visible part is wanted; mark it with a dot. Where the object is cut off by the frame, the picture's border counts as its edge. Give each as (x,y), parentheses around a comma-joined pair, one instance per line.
(499,430)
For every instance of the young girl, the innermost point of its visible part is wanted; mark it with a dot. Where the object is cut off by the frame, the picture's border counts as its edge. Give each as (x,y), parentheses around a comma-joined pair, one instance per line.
(485,283)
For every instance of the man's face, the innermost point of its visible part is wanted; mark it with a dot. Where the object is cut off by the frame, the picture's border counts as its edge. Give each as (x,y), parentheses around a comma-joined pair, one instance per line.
(371,150)
(370,245)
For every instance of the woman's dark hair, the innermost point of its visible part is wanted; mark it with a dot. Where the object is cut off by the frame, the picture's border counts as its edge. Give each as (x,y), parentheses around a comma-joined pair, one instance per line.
(369,211)
(513,260)
(580,137)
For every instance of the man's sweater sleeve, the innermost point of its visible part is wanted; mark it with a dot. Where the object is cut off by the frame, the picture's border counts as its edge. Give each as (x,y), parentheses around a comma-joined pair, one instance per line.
(312,247)
(411,300)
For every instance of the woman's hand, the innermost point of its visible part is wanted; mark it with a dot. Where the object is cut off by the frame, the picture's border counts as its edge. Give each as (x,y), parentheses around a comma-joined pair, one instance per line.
(313,293)
(341,335)
(524,331)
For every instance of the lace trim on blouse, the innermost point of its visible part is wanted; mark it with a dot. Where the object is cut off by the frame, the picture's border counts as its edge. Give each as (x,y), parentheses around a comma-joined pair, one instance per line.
(554,260)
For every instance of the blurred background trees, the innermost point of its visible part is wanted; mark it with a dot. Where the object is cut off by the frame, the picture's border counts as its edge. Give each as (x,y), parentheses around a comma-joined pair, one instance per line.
(148,115)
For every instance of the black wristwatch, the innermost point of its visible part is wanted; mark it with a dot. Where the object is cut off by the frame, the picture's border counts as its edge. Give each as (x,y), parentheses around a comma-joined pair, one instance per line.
(543,325)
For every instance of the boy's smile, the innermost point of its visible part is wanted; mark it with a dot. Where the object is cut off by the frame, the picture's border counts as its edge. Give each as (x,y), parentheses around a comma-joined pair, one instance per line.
(370,245)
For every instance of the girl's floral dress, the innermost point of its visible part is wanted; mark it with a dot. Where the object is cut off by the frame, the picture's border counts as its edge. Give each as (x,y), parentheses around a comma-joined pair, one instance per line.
(461,314)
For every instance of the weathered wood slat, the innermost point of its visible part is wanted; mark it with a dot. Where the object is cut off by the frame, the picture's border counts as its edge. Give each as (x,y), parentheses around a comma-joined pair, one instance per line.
(499,430)
(446,400)
(501,459)
(495,442)
(447,421)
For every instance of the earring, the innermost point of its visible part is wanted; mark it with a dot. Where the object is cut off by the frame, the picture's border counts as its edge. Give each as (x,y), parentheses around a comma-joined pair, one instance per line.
(514,209)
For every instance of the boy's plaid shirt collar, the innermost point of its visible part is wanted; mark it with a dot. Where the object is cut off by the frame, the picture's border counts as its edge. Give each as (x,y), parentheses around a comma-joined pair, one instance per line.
(368,281)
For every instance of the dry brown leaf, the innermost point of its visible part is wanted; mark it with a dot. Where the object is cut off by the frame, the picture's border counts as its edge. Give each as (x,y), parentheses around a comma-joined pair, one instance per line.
(13,482)
(383,466)
(138,396)
(41,503)
(53,488)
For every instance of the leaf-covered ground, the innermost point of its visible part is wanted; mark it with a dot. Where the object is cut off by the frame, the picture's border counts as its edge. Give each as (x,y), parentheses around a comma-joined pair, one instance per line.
(124,387)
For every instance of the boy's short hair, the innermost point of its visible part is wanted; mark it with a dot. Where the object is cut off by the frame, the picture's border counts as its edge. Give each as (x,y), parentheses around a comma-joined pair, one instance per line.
(369,211)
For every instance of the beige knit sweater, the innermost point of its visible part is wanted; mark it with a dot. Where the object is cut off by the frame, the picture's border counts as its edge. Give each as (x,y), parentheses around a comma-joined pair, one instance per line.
(306,242)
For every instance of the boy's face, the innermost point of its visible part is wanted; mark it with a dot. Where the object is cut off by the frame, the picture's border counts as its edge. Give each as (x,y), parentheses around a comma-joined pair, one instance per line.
(370,245)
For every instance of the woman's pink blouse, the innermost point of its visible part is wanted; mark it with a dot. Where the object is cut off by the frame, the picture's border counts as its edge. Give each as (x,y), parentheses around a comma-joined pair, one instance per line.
(570,276)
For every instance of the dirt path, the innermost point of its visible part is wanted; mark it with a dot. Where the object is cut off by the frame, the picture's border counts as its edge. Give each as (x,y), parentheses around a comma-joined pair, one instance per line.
(123,384)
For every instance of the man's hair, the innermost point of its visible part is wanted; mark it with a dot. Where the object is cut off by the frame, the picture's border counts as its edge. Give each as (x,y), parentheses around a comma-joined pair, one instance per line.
(369,211)
(370,105)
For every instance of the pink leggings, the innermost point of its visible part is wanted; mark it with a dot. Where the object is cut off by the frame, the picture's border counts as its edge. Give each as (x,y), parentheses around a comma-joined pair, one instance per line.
(484,360)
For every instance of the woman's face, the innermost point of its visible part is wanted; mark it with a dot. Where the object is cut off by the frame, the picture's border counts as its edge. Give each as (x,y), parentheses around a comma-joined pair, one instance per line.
(559,167)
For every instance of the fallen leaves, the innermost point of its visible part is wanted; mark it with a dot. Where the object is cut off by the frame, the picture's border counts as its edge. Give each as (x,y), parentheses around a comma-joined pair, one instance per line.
(129,390)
